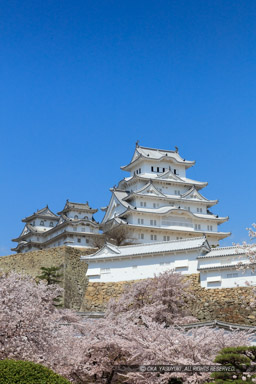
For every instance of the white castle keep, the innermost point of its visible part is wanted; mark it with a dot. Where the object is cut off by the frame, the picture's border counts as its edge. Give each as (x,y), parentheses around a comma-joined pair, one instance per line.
(157,202)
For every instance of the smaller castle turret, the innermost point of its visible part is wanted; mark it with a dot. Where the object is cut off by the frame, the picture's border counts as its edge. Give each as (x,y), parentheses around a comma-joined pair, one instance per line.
(73,226)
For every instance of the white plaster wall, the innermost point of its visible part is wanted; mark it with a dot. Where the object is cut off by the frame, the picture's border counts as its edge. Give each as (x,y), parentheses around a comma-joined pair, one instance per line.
(225,281)
(146,167)
(219,261)
(141,268)
(81,215)
(169,190)
(135,234)
(37,222)
(172,220)
(154,202)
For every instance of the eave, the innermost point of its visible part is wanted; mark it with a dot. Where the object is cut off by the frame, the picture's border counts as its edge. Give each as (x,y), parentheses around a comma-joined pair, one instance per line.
(69,233)
(117,255)
(39,216)
(207,203)
(84,210)
(57,227)
(132,210)
(226,266)
(198,184)
(190,231)
(141,157)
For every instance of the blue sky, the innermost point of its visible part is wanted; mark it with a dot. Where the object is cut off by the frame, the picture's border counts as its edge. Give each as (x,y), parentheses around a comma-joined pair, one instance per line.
(81,81)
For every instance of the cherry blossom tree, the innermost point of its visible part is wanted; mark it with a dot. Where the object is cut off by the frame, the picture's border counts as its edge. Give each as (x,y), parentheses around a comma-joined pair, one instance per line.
(249,248)
(122,341)
(33,329)
(163,298)
(30,324)
(141,328)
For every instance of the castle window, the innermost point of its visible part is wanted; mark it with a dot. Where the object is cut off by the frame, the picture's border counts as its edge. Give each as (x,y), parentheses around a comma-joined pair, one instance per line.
(141,236)
(175,172)
(163,169)
(51,223)
(139,170)
(79,240)
(152,169)
(157,169)
(145,204)
(152,222)
(75,229)
(140,221)
(83,229)
(87,241)
(34,223)
(232,274)
(86,217)
(166,238)
(153,237)
(76,217)
(42,222)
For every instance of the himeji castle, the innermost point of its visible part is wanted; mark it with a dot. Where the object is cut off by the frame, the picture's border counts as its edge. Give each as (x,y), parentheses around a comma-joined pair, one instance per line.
(73,226)
(157,202)
(166,220)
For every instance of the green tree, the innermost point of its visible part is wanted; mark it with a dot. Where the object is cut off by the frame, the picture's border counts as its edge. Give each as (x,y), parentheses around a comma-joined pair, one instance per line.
(26,372)
(50,274)
(239,357)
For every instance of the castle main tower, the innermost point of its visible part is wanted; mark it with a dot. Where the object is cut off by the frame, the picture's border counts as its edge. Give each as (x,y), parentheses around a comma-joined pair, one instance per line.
(157,202)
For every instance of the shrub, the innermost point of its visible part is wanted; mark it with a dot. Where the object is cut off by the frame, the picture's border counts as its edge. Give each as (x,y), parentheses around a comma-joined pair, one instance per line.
(239,357)
(26,372)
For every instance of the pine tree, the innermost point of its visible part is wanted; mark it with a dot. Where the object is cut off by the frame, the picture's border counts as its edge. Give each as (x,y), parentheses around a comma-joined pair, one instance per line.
(50,275)
(239,357)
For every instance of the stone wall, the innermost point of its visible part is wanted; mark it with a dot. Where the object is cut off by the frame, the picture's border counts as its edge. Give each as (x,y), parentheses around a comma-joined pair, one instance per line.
(227,304)
(73,270)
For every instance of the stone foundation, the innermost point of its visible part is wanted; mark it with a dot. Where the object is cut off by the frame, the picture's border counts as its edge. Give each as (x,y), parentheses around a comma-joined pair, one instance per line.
(73,270)
(227,304)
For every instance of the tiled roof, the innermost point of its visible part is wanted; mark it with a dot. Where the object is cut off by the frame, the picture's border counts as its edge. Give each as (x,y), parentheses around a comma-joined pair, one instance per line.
(223,251)
(110,250)
(154,153)
(223,266)
(155,176)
